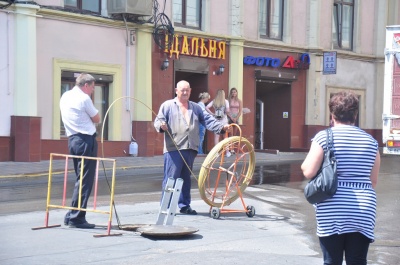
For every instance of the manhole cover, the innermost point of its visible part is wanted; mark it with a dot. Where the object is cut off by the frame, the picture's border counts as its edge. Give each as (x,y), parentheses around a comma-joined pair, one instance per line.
(166,230)
(131,227)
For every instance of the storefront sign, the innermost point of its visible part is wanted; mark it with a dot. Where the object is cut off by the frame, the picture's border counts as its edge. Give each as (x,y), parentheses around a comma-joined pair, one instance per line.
(290,62)
(194,46)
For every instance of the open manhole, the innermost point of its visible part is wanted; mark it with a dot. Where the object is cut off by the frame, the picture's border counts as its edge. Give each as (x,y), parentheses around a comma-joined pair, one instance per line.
(160,230)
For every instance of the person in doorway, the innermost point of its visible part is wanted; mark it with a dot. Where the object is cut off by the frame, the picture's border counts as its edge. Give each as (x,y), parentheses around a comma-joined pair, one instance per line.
(345,222)
(235,109)
(221,109)
(179,120)
(79,117)
(204,98)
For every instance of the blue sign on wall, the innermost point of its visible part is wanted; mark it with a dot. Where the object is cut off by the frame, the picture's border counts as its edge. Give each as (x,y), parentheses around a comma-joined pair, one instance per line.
(290,62)
(329,67)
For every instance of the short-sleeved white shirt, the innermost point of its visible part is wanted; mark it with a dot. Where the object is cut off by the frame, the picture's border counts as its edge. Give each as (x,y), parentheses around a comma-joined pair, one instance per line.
(76,111)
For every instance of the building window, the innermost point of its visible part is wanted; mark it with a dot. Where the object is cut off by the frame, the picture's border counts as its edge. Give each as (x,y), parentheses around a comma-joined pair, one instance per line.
(361,94)
(100,98)
(271,19)
(342,24)
(187,13)
(85,5)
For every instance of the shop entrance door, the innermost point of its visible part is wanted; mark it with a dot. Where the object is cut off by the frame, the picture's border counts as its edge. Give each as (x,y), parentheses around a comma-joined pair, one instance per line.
(259,141)
(198,83)
(276,99)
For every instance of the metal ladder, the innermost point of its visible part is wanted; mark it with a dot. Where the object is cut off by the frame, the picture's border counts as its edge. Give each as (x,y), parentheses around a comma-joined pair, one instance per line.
(168,206)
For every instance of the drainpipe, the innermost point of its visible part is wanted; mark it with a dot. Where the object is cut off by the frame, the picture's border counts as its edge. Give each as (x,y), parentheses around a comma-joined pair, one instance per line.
(128,67)
(129,41)
(8,55)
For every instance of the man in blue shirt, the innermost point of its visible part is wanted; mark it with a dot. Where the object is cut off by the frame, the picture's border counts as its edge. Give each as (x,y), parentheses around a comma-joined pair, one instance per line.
(179,119)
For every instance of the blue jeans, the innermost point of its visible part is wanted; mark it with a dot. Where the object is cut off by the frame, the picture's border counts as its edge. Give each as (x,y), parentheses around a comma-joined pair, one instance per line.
(202,132)
(353,245)
(175,167)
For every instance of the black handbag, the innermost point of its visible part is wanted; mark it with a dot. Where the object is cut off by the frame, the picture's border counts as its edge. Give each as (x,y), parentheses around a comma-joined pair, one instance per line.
(324,184)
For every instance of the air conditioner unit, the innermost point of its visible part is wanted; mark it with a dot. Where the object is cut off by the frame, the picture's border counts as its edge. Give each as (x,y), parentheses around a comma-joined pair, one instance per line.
(133,7)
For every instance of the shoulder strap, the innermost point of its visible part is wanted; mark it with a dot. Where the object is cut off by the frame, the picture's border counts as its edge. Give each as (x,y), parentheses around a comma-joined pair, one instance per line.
(329,139)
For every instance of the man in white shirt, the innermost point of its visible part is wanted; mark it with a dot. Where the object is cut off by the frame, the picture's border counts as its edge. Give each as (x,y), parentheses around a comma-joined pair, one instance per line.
(79,117)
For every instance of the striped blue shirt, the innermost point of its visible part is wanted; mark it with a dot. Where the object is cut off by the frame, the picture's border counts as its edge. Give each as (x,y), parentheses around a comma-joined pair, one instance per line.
(353,207)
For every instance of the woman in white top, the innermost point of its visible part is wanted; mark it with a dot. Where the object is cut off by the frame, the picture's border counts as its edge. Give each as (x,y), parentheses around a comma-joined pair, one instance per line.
(221,109)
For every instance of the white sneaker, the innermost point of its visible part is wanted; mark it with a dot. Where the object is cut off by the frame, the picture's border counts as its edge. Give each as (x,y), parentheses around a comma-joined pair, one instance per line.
(228,154)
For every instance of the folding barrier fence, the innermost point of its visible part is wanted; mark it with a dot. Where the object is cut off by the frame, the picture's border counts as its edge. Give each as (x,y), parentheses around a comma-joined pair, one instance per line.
(49,205)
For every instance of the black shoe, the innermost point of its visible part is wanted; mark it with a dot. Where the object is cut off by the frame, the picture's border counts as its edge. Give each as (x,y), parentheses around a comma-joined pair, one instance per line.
(84,225)
(66,220)
(188,210)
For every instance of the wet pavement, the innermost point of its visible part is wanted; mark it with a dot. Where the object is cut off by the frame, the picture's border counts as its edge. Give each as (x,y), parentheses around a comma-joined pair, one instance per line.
(281,232)
(31,169)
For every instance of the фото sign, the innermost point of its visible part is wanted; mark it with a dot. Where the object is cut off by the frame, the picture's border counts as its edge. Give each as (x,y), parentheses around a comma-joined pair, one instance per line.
(302,63)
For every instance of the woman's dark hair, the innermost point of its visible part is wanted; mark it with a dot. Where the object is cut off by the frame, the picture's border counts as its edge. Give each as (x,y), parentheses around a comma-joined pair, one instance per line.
(230,91)
(344,106)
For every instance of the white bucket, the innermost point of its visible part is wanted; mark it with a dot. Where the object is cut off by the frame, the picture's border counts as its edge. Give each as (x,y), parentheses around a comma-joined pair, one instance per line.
(133,149)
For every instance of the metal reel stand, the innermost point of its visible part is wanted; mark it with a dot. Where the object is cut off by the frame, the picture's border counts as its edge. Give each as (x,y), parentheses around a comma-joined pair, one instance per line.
(222,180)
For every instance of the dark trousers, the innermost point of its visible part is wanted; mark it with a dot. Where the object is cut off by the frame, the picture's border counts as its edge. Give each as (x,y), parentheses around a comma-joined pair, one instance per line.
(353,245)
(82,145)
(174,167)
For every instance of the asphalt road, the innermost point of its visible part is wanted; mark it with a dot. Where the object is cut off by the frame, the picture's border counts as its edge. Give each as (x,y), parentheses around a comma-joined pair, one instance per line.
(276,192)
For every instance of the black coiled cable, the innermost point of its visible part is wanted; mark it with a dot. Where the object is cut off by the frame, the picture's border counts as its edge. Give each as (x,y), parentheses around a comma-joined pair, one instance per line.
(162,27)
(10,2)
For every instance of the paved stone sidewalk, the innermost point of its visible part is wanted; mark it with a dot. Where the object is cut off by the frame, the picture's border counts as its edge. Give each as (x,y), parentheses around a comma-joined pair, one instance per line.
(16,169)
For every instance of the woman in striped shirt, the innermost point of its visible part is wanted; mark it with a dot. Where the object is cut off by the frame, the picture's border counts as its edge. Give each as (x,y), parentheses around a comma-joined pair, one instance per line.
(345,222)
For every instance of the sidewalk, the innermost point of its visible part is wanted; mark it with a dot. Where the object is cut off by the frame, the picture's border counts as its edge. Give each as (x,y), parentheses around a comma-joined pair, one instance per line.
(30,169)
